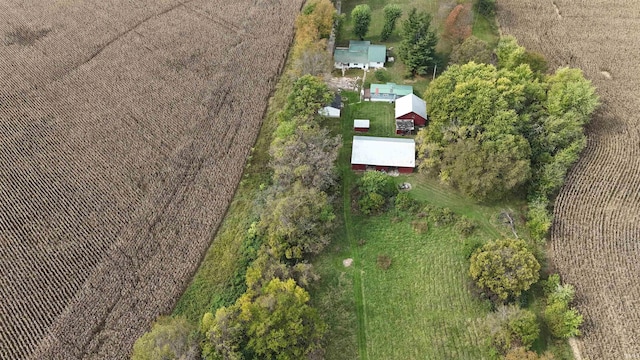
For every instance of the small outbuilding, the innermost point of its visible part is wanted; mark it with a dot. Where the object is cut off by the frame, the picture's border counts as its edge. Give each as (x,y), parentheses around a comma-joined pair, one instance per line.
(410,111)
(332,110)
(383,154)
(361,125)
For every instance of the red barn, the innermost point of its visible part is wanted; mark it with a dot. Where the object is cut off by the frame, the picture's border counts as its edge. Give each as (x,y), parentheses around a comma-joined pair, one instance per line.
(383,154)
(411,111)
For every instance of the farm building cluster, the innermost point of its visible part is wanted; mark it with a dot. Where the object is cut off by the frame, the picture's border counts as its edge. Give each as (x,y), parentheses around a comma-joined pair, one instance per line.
(380,153)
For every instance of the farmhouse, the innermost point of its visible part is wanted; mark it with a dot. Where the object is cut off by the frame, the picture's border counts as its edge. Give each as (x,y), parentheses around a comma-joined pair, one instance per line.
(411,111)
(361,125)
(332,110)
(383,154)
(388,92)
(360,55)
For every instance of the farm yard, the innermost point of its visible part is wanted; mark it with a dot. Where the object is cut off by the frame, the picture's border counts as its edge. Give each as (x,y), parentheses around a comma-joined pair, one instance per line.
(124,132)
(594,239)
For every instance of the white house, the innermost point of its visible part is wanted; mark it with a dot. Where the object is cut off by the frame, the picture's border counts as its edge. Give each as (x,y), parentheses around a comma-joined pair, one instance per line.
(360,55)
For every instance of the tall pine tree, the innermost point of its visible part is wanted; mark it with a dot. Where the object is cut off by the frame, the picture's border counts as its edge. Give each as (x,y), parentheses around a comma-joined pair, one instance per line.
(417,49)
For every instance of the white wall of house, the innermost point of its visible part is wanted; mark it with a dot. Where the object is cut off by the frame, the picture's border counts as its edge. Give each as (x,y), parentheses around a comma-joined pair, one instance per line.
(376,65)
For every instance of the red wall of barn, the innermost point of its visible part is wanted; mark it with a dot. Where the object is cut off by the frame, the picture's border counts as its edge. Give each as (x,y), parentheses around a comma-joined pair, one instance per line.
(405,170)
(358,167)
(361,129)
(417,119)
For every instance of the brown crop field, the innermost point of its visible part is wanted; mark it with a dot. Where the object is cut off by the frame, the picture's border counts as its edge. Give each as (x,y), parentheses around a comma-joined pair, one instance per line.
(595,241)
(124,129)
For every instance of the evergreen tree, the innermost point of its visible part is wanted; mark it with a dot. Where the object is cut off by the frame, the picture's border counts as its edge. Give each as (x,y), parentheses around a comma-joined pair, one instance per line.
(417,49)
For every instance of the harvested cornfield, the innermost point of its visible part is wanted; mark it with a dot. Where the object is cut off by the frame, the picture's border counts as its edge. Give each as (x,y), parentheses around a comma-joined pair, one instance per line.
(124,129)
(595,240)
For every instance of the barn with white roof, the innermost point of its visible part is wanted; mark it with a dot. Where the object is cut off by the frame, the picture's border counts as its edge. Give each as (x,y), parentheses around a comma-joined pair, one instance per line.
(383,154)
(411,111)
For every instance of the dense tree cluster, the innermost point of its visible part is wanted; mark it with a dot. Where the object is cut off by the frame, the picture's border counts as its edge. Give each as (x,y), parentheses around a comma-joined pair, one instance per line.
(494,130)
(313,28)
(273,319)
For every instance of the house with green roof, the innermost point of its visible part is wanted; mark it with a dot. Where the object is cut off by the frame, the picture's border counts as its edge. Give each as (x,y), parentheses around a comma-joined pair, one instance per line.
(388,92)
(360,55)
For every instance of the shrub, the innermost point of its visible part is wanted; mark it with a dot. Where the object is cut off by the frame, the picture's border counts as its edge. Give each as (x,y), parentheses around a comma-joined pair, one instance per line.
(420,227)
(471,49)
(381,75)
(377,182)
(371,203)
(562,321)
(405,202)
(511,326)
(442,216)
(457,26)
(486,7)
(466,226)
(538,219)
(169,338)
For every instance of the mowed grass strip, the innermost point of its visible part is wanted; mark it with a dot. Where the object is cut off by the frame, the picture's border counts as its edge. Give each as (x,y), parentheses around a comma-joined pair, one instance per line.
(420,307)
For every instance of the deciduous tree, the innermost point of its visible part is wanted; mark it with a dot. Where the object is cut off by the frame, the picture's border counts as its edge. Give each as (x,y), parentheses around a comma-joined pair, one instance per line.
(169,338)
(392,12)
(504,267)
(298,222)
(361,16)
(471,49)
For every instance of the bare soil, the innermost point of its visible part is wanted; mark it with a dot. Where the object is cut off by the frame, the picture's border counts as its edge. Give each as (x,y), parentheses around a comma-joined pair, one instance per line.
(595,236)
(124,129)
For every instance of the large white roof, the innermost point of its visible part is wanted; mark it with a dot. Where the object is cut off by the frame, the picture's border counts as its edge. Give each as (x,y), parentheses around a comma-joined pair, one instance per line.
(410,103)
(381,151)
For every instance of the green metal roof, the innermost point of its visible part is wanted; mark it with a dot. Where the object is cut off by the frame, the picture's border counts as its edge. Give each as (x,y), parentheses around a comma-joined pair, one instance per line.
(391,88)
(361,52)
(377,53)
